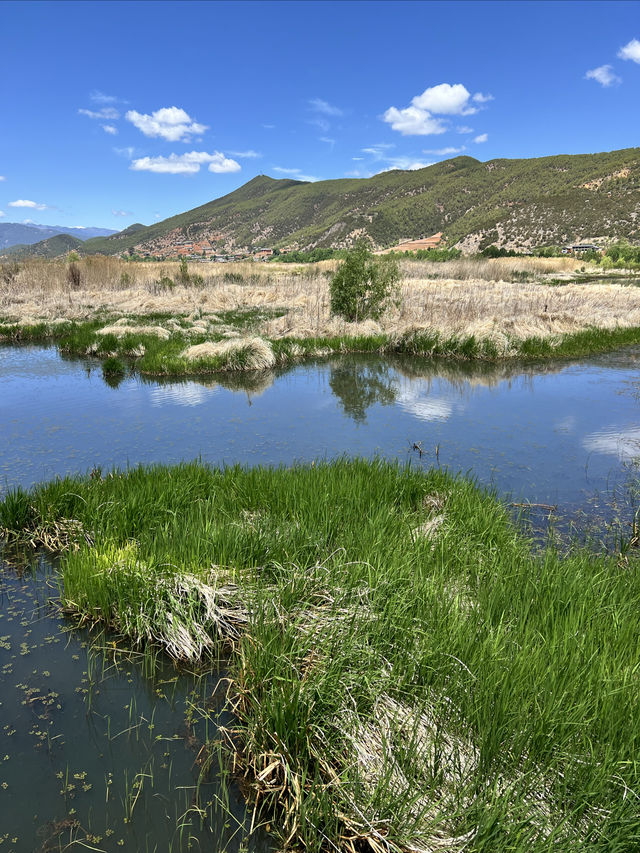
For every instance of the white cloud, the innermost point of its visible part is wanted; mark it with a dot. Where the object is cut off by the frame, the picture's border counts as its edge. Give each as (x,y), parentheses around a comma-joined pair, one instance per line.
(109,113)
(110,129)
(250,154)
(421,117)
(463,128)
(483,137)
(604,75)
(328,140)
(630,51)
(121,213)
(445,99)
(100,98)
(327,109)
(441,152)
(406,164)
(24,202)
(2,178)
(378,150)
(185,164)
(269,126)
(170,123)
(413,121)
(2,213)
(296,174)
(479,98)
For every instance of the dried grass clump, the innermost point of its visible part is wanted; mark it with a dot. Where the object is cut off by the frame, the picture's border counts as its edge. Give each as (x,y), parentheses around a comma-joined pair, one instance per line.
(416,756)
(189,617)
(256,353)
(396,739)
(121,329)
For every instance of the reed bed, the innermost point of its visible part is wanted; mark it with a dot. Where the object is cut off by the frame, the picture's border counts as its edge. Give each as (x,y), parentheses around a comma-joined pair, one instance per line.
(406,673)
(473,308)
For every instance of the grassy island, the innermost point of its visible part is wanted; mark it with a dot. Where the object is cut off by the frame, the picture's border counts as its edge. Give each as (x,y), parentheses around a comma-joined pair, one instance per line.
(170,319)
(407,673)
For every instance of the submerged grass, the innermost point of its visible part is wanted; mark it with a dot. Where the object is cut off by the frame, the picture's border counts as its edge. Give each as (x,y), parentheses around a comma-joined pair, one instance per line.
(397,683)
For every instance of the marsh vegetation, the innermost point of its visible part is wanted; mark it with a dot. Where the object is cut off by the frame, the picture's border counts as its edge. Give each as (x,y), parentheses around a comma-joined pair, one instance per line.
(405,670)
(177,319)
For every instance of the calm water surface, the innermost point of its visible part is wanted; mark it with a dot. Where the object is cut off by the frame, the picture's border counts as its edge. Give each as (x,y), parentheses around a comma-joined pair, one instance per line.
(556,434)
(95,750)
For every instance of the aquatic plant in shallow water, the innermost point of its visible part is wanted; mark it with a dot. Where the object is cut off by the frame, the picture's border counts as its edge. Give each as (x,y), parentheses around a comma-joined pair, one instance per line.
(397,683)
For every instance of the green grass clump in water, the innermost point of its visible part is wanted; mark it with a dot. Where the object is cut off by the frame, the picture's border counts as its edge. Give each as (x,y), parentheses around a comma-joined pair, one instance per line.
(407,673)
(156,356)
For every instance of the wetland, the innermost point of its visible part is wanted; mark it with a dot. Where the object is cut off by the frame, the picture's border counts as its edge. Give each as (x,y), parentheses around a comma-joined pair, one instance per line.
(349,599)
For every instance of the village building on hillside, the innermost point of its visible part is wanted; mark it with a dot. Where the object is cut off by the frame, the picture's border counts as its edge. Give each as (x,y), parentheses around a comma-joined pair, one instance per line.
(421,245)
(581,247)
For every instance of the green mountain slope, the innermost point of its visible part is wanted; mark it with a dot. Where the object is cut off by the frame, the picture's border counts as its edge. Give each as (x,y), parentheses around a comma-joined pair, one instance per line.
(52,247)
(509,202)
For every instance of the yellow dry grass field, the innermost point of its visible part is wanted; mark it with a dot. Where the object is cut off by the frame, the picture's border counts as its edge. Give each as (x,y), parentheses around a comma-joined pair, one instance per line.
(486,298)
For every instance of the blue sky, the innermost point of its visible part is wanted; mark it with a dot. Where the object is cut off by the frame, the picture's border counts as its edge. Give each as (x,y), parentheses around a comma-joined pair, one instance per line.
(121,112)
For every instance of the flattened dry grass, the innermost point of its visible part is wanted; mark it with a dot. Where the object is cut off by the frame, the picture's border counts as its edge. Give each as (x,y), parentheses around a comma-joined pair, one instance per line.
(500,300)
(392,691)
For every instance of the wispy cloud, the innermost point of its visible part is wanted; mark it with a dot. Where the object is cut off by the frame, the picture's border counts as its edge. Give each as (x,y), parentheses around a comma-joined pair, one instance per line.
(381,153)
(2,213)
(463,128)
(250,154)
(109,113)
(110,129)
(2,178)
(441,152)
(121,213)
(325,108)
(170,123)
(25,202)
(378,150)
(330,142)
(483,137)
(186,164)
(604,75)
(100,98)
(405,164)
(630,51)
(127,152)
(479,98)
(296,174)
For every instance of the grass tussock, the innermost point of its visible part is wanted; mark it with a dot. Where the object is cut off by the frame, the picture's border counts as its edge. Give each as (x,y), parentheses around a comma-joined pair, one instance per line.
(470,308)
(398,684)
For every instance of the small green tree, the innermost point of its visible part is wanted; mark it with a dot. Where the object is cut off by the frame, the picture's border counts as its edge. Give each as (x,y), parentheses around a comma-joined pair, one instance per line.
(363,285)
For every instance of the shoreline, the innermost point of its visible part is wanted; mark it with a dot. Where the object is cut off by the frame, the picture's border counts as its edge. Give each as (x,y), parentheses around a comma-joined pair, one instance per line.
(199,354)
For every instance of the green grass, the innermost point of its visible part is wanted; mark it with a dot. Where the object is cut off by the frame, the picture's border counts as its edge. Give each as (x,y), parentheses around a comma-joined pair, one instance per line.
(153,356)
(406,672)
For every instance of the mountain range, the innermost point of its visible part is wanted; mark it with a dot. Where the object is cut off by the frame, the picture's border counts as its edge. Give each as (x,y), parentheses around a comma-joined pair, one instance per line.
(14,233)
(511,203)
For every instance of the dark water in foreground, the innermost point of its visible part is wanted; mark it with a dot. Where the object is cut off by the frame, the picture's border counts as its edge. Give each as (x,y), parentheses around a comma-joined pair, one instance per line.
(92,749)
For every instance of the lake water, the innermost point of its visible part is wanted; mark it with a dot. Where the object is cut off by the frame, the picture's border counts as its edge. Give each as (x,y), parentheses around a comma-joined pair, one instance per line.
(94,749)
